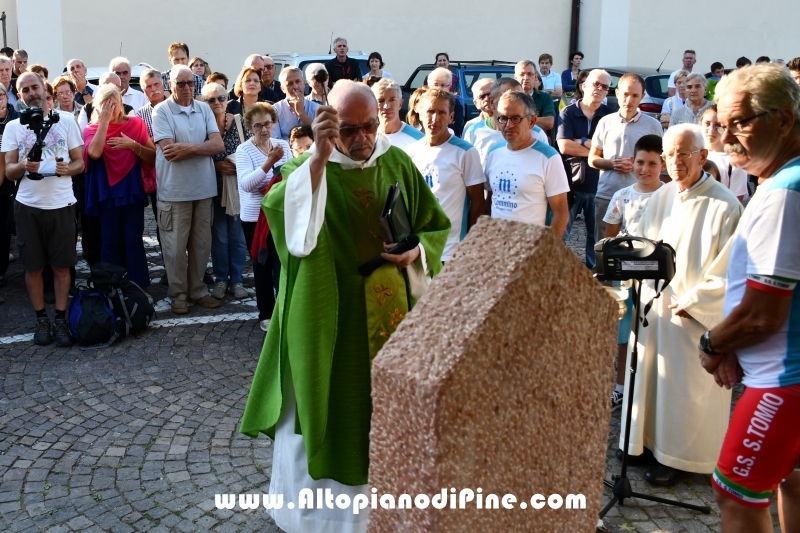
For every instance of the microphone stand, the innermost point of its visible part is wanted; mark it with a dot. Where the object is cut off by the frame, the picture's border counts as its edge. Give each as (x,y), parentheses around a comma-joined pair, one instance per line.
(621,486)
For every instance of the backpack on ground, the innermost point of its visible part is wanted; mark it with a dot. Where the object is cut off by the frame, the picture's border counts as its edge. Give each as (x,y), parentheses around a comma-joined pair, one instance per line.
(130,303)
(92,321)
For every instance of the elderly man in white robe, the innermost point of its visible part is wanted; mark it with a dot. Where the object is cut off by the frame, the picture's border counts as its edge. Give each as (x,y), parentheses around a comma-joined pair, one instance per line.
(679,413)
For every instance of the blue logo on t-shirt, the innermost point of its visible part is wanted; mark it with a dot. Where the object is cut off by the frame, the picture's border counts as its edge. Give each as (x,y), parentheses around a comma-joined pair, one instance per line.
(505,191)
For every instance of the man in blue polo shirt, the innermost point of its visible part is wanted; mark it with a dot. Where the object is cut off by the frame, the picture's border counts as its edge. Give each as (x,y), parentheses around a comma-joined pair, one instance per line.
(578,122)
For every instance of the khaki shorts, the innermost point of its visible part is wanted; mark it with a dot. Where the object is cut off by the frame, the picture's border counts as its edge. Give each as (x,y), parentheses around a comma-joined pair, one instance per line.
(45,236)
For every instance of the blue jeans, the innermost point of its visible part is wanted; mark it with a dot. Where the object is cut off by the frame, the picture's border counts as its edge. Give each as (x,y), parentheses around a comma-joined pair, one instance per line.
(228,249)
(584,201)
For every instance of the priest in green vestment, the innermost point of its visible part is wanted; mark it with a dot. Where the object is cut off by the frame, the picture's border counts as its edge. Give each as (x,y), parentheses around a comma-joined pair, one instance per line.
(311,389)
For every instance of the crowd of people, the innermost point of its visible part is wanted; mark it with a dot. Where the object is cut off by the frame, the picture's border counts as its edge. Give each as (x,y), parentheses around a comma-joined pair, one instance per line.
(214,164)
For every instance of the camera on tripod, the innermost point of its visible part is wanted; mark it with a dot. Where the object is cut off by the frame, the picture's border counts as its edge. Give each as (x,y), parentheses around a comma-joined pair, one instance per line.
(626,258)
(34,118)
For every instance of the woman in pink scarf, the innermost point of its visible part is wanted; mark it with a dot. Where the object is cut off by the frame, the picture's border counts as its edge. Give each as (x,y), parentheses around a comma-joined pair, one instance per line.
(119,158)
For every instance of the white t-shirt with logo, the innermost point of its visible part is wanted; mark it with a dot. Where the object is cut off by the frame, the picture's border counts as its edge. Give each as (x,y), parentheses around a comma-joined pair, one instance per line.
(521,181)
(405,136)
(627,207)
(765,255)
(51,192)
(484,138)
(449,169)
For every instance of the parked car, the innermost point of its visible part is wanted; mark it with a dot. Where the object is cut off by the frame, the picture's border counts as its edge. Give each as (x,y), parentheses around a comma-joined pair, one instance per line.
(293,59)
(468,73)
(655,88)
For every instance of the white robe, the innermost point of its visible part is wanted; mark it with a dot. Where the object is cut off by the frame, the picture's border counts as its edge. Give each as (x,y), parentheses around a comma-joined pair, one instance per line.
(679,412)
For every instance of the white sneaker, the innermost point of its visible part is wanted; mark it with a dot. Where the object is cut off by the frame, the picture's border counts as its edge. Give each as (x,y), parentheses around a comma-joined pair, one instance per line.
(264,324)
(239,291)
(219,290)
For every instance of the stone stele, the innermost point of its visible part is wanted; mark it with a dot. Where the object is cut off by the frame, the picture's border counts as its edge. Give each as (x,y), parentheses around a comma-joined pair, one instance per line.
(497,381)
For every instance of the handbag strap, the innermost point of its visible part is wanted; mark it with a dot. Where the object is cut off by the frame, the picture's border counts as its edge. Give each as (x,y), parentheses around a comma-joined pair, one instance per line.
(238,120)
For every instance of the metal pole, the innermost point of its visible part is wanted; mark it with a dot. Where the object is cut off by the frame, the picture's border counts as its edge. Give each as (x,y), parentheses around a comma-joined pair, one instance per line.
(3,18)
(574,29)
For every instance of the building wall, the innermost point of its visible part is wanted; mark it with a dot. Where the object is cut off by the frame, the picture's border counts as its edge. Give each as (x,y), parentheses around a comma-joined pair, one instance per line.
(718,30)
(10,8)
(406,33)
(622,32)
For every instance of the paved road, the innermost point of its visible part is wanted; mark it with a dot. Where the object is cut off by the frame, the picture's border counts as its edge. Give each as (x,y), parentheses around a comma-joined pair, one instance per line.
(141,436)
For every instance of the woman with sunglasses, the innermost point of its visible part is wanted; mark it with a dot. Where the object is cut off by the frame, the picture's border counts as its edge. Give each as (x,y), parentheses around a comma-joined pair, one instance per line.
(228,252)
(255,161)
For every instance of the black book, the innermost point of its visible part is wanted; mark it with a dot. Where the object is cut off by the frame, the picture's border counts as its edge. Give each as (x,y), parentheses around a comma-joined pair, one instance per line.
(394,217)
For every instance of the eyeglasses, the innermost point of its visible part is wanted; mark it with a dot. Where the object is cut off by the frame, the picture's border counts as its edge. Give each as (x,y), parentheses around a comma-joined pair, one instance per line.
(212,100)
(351,131)
(516,120)
(184,84)
(484,96)
(680,155)
(736,126)
(258,126)
(269,67)
(64,95)
(598,85)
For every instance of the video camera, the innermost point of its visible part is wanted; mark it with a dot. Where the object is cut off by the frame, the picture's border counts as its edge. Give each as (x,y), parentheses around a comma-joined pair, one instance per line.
(34,118)
(626,258)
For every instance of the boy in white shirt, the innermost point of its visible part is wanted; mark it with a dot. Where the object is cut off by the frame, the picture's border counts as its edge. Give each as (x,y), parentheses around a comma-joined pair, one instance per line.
(625,210)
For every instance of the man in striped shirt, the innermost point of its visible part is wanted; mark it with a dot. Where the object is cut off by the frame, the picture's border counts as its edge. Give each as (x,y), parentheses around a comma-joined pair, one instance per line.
(151,81)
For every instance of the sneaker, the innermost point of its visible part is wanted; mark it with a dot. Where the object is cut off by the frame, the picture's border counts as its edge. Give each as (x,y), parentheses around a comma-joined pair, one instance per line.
(179,307)
(63,338)
(44,332)
(616,400)
(239,291)
(219,290)
(206,301)
(264,325)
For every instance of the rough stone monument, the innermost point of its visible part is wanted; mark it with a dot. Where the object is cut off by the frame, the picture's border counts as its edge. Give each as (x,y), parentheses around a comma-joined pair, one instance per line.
(496,384)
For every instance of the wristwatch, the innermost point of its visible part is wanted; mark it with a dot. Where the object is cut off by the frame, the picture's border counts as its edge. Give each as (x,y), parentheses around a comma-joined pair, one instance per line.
(583,141)
(705,345)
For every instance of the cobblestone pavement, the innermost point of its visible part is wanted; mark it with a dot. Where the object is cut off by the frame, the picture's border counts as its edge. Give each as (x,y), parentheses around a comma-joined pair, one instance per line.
(142,435)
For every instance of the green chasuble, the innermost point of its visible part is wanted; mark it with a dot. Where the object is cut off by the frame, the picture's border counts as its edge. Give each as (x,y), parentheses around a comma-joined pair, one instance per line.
(329,321)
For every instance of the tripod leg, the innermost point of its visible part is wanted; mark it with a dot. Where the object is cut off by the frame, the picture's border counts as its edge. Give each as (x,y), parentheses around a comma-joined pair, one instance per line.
(604,511)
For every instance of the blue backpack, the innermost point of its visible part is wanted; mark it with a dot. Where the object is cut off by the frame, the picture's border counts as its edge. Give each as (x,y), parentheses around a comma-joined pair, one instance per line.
(92,321)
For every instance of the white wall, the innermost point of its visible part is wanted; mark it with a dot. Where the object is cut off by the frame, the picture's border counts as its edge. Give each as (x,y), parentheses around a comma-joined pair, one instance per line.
(406,33)
(718,30)
(40,32)
(10,8)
